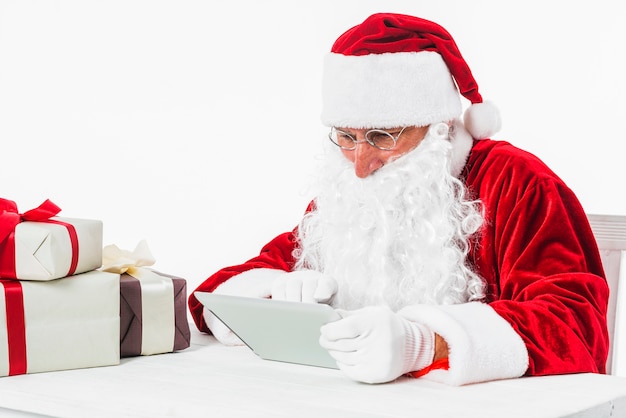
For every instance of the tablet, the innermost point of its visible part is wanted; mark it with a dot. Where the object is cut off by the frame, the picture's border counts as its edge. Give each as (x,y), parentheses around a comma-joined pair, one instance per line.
(275,329)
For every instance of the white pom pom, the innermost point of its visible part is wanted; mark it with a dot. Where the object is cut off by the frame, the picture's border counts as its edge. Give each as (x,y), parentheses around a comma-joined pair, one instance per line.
(482,120)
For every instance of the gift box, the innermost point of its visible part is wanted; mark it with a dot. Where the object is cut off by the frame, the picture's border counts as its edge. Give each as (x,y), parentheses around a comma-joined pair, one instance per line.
(153,316)
(37,245)
(68,323)
(153,305)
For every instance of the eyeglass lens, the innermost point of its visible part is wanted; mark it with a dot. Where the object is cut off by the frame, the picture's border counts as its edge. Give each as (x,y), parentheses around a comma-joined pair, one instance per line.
(378,138)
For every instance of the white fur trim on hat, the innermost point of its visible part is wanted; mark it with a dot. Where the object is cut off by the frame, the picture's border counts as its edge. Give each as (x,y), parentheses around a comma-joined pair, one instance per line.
(388,90)
(482,345)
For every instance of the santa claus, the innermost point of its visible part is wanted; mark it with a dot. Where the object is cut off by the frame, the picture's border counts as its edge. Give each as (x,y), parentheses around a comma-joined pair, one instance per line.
(450,256)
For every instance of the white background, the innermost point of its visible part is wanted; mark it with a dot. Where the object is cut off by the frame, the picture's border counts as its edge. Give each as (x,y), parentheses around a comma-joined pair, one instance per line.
(195,124)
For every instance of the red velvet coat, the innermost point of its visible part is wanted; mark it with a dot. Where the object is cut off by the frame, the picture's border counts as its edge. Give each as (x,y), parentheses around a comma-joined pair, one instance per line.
(536,253)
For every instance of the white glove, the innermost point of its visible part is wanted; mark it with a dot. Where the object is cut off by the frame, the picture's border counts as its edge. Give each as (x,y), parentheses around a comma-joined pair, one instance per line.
(376,345)
(304,286)
(220,331)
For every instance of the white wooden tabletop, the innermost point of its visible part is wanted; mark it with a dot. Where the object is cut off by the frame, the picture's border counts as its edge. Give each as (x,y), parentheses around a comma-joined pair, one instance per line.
(212,380)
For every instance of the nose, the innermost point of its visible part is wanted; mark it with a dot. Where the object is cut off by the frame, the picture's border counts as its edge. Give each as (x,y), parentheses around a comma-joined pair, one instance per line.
(366,159)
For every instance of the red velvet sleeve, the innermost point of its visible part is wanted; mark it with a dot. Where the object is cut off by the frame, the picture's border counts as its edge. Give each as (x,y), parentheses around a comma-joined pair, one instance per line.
(540,260)
(274,255)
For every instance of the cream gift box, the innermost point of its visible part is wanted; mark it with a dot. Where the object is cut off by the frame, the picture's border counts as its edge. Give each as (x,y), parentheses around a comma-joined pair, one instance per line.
(153,305)
(68,323)
(37,245)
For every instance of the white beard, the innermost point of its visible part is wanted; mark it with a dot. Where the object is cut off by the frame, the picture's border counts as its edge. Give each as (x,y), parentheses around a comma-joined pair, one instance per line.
(396,238)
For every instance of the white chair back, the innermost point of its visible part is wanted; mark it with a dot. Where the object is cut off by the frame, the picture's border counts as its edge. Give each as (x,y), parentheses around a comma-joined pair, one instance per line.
(610,233)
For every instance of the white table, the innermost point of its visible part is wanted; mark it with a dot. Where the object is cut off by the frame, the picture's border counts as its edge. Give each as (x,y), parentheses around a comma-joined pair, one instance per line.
(211,380)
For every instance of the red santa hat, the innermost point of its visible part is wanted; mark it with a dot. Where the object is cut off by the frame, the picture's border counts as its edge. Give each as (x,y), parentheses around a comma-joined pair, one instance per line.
(396,70)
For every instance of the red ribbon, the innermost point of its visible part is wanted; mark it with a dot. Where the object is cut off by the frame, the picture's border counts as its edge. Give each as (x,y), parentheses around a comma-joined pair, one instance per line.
(74,242)
(442,363)
(10,218)
(16,326)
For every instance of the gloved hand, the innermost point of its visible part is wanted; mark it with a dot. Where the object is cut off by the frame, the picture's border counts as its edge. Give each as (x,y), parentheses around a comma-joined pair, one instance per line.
(376,345)
(220,331)
(304,286)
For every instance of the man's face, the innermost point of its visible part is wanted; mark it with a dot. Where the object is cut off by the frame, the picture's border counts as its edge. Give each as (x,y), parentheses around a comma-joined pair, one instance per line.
(367,158)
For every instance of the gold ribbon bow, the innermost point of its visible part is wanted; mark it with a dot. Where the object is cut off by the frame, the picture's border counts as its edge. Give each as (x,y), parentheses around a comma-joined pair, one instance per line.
(157,295)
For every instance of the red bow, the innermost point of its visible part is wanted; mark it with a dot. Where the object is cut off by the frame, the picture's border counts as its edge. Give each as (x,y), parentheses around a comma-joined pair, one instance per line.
(9,219)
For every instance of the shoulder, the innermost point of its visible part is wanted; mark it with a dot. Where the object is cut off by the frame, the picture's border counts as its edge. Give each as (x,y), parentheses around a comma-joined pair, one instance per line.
(504,153)
(501,161)
(505,177)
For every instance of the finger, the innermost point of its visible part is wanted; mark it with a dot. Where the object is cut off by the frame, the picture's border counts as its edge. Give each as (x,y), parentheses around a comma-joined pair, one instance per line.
(293,290)
(344,345)
(308,290)
(326,289)
(345,328)
(343,359)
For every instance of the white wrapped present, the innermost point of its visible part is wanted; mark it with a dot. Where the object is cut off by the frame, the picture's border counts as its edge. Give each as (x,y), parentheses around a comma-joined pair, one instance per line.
(69,323)
(37,245)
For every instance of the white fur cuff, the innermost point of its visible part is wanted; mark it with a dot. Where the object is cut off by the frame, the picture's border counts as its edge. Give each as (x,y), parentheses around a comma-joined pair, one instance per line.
(482,345)
(255,283)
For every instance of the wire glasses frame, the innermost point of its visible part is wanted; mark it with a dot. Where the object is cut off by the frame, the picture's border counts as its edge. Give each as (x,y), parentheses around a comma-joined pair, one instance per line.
(377,138)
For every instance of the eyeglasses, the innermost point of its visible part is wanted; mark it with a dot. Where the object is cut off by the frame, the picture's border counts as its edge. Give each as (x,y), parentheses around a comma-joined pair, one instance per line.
(375,137)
